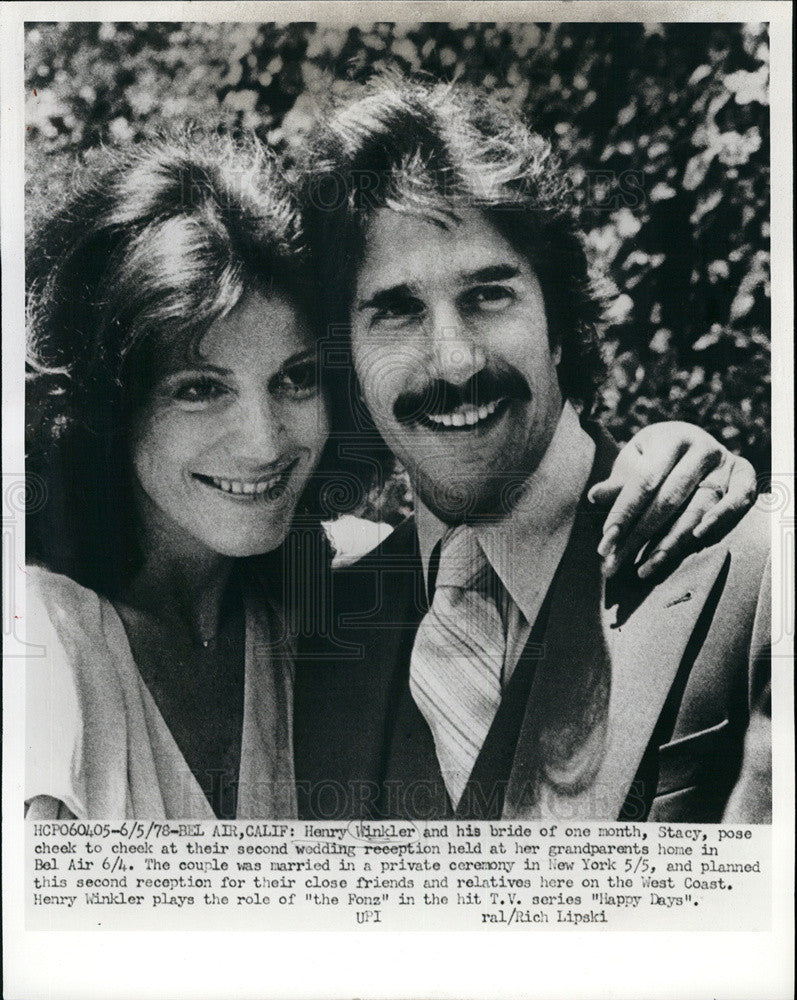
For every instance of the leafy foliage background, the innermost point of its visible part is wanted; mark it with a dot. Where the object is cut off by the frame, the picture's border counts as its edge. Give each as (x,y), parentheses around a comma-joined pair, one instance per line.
(665,129)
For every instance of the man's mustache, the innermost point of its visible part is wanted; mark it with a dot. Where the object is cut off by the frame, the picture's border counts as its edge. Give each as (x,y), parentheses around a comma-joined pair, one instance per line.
(439,396)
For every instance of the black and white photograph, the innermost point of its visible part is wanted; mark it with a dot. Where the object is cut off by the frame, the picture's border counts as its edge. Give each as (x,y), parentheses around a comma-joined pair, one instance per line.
(397,428)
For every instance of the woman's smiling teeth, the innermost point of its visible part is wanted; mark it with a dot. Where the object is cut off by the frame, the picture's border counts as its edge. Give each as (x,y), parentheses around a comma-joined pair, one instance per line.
(269,488)
(465,415)
(234,486)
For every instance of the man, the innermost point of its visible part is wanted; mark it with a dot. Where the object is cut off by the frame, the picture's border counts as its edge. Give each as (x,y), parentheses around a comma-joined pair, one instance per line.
(478,663)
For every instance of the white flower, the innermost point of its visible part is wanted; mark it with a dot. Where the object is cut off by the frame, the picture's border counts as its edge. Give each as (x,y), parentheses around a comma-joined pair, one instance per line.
(661,192)
(620,309)
(736,148)
(747,87)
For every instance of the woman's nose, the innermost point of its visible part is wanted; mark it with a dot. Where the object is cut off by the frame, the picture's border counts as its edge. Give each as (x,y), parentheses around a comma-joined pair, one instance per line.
(260,431)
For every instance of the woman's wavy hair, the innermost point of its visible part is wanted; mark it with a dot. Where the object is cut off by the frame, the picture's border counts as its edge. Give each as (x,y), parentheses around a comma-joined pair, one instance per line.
(152,245)
(432,150)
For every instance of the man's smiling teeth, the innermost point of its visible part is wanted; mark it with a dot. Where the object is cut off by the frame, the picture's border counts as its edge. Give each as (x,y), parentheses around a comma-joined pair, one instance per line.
(467,414)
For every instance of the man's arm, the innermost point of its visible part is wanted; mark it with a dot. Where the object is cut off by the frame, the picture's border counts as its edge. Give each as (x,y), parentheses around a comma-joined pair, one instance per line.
(751,799)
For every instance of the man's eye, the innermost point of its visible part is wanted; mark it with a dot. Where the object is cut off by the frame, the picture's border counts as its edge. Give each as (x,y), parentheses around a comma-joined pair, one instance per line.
(298,380)
(398,310)
(489,298)
(199,391)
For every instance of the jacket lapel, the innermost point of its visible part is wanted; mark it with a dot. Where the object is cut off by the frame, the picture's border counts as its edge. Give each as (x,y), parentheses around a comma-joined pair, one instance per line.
(646,651)
(610,656)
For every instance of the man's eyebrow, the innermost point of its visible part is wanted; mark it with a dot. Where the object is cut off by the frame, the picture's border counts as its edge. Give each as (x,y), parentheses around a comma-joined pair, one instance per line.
(386,296)
(495,272)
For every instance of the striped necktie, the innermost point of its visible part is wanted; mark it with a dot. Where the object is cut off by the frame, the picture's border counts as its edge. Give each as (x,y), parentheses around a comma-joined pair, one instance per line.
(456,663)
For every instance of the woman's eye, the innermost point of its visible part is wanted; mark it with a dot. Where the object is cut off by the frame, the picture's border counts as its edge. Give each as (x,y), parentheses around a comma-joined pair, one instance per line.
(489,298)
(298,380)
(199,391)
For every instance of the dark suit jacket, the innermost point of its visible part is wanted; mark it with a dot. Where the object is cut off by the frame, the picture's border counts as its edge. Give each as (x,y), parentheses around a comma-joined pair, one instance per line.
(631,700)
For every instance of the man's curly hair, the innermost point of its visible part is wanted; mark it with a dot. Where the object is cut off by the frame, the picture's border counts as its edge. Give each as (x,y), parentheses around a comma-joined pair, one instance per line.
(432,150)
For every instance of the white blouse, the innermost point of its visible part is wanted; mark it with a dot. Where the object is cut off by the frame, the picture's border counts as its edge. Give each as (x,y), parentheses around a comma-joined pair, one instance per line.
(97,744)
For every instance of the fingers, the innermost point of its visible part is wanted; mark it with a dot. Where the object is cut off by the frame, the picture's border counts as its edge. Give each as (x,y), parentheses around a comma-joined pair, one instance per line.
(602,495)
(670,473)
(630,488)
(658,495)
(628,459)
(739,497)
(710,507)
(670,549)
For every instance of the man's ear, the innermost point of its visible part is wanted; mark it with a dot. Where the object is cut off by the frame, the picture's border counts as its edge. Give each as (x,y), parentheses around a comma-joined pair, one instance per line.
(554,340)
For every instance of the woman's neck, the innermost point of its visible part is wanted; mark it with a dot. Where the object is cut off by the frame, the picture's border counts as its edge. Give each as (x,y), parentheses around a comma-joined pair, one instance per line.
(184,588)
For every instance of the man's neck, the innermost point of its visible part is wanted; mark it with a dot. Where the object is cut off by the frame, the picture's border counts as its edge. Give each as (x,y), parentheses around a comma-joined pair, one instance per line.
(544,509)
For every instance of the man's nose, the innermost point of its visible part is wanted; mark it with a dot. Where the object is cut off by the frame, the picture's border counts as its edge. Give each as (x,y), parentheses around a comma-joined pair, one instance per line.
(456,354)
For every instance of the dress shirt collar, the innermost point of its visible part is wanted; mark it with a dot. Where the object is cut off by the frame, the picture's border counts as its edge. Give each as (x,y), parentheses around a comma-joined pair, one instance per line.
(538,526)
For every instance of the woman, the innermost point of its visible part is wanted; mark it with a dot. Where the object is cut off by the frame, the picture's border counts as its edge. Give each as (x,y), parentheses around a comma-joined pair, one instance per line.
(178,421)
(176,424)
